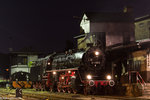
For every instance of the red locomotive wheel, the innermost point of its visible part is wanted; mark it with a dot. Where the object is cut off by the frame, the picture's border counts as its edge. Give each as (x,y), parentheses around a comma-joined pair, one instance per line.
(59,89)
(86,89)
(51,89)
(69,90)
(74,91)
(64,90)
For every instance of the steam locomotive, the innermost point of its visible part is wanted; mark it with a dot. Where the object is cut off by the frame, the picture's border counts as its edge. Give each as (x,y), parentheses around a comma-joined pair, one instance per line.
(72,71)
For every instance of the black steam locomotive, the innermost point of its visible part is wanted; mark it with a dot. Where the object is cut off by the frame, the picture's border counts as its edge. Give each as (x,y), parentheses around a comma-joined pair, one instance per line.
(73,71)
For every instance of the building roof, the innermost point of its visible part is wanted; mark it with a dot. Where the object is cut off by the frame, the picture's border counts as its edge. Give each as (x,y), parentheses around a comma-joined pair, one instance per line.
(26,53)
(79,36)
(109,17)
(142,18)
(134,46)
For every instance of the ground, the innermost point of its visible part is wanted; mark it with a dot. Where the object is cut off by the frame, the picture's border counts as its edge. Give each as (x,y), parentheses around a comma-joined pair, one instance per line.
(31,94)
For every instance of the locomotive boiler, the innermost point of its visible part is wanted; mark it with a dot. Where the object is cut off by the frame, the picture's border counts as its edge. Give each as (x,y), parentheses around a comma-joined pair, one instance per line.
(76,71)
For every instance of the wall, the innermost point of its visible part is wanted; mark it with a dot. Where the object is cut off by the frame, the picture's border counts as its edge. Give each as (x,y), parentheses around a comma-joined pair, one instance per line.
(142,29)
(85,24)
(18,68)
(143,57)
(82,42)
(31,58)
(115,32)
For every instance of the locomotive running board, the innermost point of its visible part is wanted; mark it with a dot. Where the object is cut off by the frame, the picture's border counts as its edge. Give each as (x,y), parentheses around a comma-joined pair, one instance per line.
(60,70)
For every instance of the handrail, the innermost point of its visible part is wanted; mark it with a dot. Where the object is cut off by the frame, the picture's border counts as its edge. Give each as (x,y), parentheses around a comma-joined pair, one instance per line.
(139,78)
(143,82)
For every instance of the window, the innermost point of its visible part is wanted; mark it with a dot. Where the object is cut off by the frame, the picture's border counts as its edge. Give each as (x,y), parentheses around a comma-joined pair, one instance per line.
(148,23)
(141,25)
(22,60)
(135,65)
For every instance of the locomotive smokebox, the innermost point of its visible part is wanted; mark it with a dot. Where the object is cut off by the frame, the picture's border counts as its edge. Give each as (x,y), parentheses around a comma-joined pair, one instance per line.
(94,58)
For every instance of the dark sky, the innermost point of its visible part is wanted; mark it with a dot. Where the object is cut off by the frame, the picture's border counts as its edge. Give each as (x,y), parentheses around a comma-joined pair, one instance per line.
(46,25)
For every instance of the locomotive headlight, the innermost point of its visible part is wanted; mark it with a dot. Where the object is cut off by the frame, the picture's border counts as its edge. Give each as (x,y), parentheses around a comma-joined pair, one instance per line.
(62,78)
(89,77)
(69,71)
(108,77)
(48,63)
(54,73)
(96,53)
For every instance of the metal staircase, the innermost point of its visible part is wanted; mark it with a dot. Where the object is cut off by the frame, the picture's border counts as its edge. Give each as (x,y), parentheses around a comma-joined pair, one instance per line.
(135,77)
(146,91)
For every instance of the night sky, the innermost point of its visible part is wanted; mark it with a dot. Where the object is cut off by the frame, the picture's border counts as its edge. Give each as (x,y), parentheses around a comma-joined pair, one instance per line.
(47,25)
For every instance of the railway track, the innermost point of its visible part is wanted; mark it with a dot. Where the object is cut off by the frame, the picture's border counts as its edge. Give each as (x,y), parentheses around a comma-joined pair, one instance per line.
(8,96)
(39,95)
(31,94)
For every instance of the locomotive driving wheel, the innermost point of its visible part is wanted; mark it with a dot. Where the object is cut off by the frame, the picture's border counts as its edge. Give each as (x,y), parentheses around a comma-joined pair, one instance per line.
(85,91)
(64,90)
(51,89)
(69,90)
(74,91)
(59,89)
